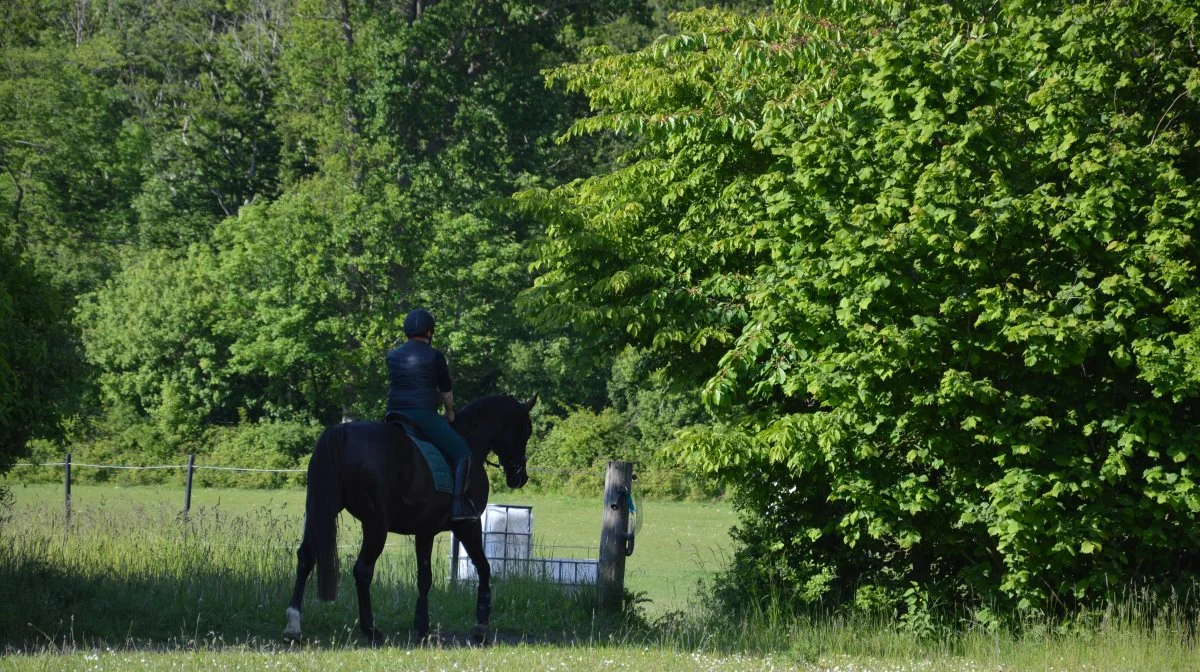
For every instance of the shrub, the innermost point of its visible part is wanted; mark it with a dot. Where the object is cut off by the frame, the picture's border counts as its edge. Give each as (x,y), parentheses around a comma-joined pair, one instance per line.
(935,266)
(573,456)
(260,445)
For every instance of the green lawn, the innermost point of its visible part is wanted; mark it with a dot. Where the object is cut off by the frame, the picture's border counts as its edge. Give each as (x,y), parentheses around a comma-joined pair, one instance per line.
(679,542)
(517,659)
(1071,656)
(135,586)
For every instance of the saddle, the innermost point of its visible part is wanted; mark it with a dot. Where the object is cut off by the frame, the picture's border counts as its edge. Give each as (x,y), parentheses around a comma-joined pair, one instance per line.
(443,480)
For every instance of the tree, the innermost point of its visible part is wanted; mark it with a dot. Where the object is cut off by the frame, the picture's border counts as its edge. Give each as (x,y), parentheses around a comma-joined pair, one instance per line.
(69,163)
(315,304)
(470,272)
(35,381)
(215,143)
(151,332)
(936,263)
(245,196)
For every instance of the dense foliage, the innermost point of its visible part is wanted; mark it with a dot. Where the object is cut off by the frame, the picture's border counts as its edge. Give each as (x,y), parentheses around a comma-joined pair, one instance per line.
(935,266)
(33,336)
(918,278)
(227,206)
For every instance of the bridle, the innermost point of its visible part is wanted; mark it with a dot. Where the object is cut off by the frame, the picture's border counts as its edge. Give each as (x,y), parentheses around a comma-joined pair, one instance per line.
(508,465)
(514,465)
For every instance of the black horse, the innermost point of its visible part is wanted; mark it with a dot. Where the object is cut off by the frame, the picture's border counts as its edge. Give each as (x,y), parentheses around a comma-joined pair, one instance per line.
(374,471)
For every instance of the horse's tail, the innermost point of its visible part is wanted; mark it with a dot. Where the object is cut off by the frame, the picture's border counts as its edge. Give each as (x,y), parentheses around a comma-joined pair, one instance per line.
(324,501)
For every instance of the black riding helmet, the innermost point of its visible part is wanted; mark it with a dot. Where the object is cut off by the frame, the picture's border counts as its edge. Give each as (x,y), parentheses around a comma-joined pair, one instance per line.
(418,322)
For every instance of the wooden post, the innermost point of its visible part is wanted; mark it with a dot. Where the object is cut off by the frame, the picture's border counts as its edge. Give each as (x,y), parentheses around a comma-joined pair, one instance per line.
(610,582)
(187,492)
(67,480)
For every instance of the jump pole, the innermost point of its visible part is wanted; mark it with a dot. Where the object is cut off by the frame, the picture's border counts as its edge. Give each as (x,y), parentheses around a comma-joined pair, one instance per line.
(610,582)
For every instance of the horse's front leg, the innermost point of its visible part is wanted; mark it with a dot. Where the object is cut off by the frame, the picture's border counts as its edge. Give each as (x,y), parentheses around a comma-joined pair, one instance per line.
(374,538)
(424,548)
(471,535)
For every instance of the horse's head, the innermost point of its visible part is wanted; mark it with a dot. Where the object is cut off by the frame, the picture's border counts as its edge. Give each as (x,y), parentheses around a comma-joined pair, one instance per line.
(499,424)
(510,449)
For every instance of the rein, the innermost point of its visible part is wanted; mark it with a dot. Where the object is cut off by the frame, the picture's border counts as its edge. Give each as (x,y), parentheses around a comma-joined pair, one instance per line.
(501,465)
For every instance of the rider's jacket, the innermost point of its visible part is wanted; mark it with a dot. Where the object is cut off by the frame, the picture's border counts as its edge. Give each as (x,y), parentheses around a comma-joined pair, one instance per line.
(418,372)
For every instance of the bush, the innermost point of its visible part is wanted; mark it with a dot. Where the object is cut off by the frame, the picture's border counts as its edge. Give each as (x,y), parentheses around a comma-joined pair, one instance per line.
(573,456)
(935,266)
(261,445)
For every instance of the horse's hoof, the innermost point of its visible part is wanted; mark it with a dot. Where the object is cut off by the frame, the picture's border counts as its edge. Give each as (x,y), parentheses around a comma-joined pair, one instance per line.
(433,639)
(374,636)
(292,632)
(482,634)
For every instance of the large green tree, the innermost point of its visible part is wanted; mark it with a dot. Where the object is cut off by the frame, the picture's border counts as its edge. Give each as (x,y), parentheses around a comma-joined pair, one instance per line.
(151,333)
(35,365)
(935,265)
(69,166)
(238,200)
(387,140)
(204,77)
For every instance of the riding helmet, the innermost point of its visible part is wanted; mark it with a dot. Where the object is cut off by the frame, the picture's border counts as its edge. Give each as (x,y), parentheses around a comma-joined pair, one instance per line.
(418,322)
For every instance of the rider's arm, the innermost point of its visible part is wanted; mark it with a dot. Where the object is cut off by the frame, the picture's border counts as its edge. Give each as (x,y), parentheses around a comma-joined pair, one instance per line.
(444,387)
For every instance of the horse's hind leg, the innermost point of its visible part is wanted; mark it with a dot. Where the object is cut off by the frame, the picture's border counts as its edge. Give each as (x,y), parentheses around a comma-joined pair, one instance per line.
(471,535)
(305,560)
(374,537)
(424,549)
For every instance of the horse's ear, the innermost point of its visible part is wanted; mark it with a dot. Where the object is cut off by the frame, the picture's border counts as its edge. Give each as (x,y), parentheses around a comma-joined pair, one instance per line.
(530,403)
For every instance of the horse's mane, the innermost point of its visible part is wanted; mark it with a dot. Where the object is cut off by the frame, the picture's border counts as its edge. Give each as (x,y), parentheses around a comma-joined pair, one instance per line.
(491,407)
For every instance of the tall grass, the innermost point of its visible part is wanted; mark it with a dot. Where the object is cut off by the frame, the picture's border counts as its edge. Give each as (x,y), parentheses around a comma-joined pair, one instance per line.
(208,591)
(1134,633)
(150,577)
(681,542)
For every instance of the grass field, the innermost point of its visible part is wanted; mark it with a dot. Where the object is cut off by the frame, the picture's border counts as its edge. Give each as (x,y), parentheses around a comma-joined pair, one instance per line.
(135,586)
(678,544)
(517,659)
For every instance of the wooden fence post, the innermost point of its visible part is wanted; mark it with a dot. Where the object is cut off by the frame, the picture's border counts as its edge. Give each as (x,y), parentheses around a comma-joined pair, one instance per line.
(187,492)
(610,582)
(67,481)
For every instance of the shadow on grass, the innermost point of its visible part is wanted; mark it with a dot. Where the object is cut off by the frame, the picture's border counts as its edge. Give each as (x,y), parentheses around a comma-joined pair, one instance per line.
(149,579)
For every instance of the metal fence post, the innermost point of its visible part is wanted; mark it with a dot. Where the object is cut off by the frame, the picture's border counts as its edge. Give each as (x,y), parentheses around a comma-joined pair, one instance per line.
(67,481)
(187,493)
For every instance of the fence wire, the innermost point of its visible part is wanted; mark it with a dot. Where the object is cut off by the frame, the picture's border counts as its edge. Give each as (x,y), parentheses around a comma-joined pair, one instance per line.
(585,570)
(549,470)
(160,466)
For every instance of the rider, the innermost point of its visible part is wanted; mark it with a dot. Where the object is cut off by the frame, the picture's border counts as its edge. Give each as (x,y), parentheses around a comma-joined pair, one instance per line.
(420,380)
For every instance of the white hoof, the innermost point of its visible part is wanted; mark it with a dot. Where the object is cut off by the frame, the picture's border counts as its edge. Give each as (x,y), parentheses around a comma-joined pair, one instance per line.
(292,631)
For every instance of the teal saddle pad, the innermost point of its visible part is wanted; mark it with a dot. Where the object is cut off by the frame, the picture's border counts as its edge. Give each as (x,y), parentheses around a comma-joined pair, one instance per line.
(443,480)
